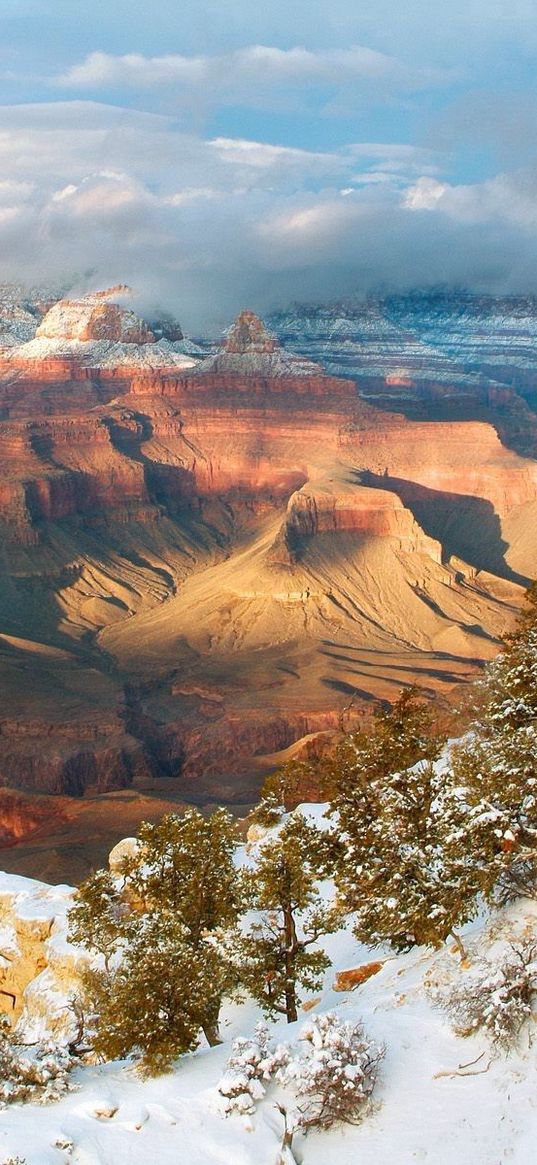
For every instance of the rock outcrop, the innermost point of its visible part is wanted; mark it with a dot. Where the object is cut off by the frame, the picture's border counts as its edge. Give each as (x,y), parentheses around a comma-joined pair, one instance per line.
(90,338)
(39,969)
(94,317)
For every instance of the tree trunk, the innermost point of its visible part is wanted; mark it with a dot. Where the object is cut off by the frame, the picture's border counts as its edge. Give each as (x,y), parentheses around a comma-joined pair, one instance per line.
(290,952)
(286,1155)
(459,944)
(210,1032)
(210,1026)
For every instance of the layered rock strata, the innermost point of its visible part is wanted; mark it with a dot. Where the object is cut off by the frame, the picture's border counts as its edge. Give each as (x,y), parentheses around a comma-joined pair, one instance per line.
(201,567)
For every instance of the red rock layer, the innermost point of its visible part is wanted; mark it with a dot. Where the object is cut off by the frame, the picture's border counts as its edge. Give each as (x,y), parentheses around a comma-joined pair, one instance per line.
(111,457)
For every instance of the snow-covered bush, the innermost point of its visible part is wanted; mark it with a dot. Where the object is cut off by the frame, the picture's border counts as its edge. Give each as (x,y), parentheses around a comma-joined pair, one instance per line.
(496,996)
(39,1072)
(253,1062)
(332,1073)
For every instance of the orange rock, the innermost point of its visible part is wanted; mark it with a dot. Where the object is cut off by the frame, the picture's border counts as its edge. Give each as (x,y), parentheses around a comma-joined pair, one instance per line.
(349,980)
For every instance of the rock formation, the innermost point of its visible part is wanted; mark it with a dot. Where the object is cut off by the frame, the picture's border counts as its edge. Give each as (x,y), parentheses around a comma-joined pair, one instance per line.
(38,968)
(84,339)
(204,565)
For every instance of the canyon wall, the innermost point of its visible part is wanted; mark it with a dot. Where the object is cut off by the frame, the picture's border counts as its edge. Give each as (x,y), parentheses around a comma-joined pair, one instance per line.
(202,565)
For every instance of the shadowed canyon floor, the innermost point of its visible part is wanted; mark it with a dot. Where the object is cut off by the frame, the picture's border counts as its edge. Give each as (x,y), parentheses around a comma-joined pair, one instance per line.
(207,565)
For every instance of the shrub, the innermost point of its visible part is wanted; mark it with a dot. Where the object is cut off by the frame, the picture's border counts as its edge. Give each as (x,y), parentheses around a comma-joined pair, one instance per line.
(496,996)
(253,1062)
(333,1075)
(330,1074)
(39,1072)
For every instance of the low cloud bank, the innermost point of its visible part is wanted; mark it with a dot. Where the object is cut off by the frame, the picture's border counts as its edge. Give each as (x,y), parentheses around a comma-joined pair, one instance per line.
(100,194)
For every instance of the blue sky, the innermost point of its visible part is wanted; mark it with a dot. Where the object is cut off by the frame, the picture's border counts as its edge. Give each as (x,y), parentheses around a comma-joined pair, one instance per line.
(215,154)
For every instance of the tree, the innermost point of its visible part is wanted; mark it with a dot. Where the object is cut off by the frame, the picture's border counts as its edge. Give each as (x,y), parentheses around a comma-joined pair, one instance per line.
(156,1001)
(159,930)
(496,765)
(400,869)
(297,781)
(398,737)
(277,954)
(99,913)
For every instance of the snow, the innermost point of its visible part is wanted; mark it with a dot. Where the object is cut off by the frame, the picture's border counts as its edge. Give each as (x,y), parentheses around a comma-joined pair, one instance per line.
(423,1113)
(108,354)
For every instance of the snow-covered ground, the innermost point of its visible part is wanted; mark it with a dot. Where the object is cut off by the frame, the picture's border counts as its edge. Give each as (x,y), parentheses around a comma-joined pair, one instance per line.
(429,1109)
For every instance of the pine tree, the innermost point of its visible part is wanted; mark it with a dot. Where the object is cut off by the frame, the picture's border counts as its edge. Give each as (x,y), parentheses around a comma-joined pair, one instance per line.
(399,868)
(497,765)
(99,915)
(159,929)
(298,781)
(156,1001)
(278,954)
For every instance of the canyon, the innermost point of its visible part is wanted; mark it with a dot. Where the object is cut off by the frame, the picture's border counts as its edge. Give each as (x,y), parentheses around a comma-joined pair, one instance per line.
(212,561)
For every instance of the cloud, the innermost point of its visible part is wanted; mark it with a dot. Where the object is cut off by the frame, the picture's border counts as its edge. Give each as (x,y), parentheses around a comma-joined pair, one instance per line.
(207,227)
(257,75)
(507,198)
(425,195)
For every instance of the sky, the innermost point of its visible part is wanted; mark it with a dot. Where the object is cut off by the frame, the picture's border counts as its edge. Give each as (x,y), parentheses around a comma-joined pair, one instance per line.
(222,155)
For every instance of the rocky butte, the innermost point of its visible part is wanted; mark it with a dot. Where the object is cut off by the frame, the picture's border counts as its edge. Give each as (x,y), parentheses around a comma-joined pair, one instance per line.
(207,563)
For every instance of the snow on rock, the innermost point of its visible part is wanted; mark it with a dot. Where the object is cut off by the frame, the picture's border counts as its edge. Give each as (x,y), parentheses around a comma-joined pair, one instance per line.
(250,350)
(21,312)
(100,333)
(39,968)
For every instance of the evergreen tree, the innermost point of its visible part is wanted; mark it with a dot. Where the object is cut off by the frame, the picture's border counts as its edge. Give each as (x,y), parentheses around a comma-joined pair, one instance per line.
(298,781)
(497,765)
(399,819)
(277,954)
(99,915)
(157,999)
(159,930)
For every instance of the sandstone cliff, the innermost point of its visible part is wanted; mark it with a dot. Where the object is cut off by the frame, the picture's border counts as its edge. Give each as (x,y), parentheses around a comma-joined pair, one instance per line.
(245,527)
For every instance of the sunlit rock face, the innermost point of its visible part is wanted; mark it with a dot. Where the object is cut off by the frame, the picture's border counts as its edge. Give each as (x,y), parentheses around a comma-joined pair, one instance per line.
(39,969)
(249,349)
(205,567)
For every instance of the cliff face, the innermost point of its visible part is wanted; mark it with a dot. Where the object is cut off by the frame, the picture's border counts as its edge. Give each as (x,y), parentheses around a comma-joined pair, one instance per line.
(201,566)
(449,355)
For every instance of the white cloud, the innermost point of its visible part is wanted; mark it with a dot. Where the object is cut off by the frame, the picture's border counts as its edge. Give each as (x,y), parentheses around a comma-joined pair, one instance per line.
(510,198)
(206,227)
(263,155)
(425,195)
(257,75)
(261,64)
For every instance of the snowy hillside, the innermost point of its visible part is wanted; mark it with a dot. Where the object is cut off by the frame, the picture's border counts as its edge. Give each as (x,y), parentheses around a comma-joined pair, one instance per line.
(428,1107)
